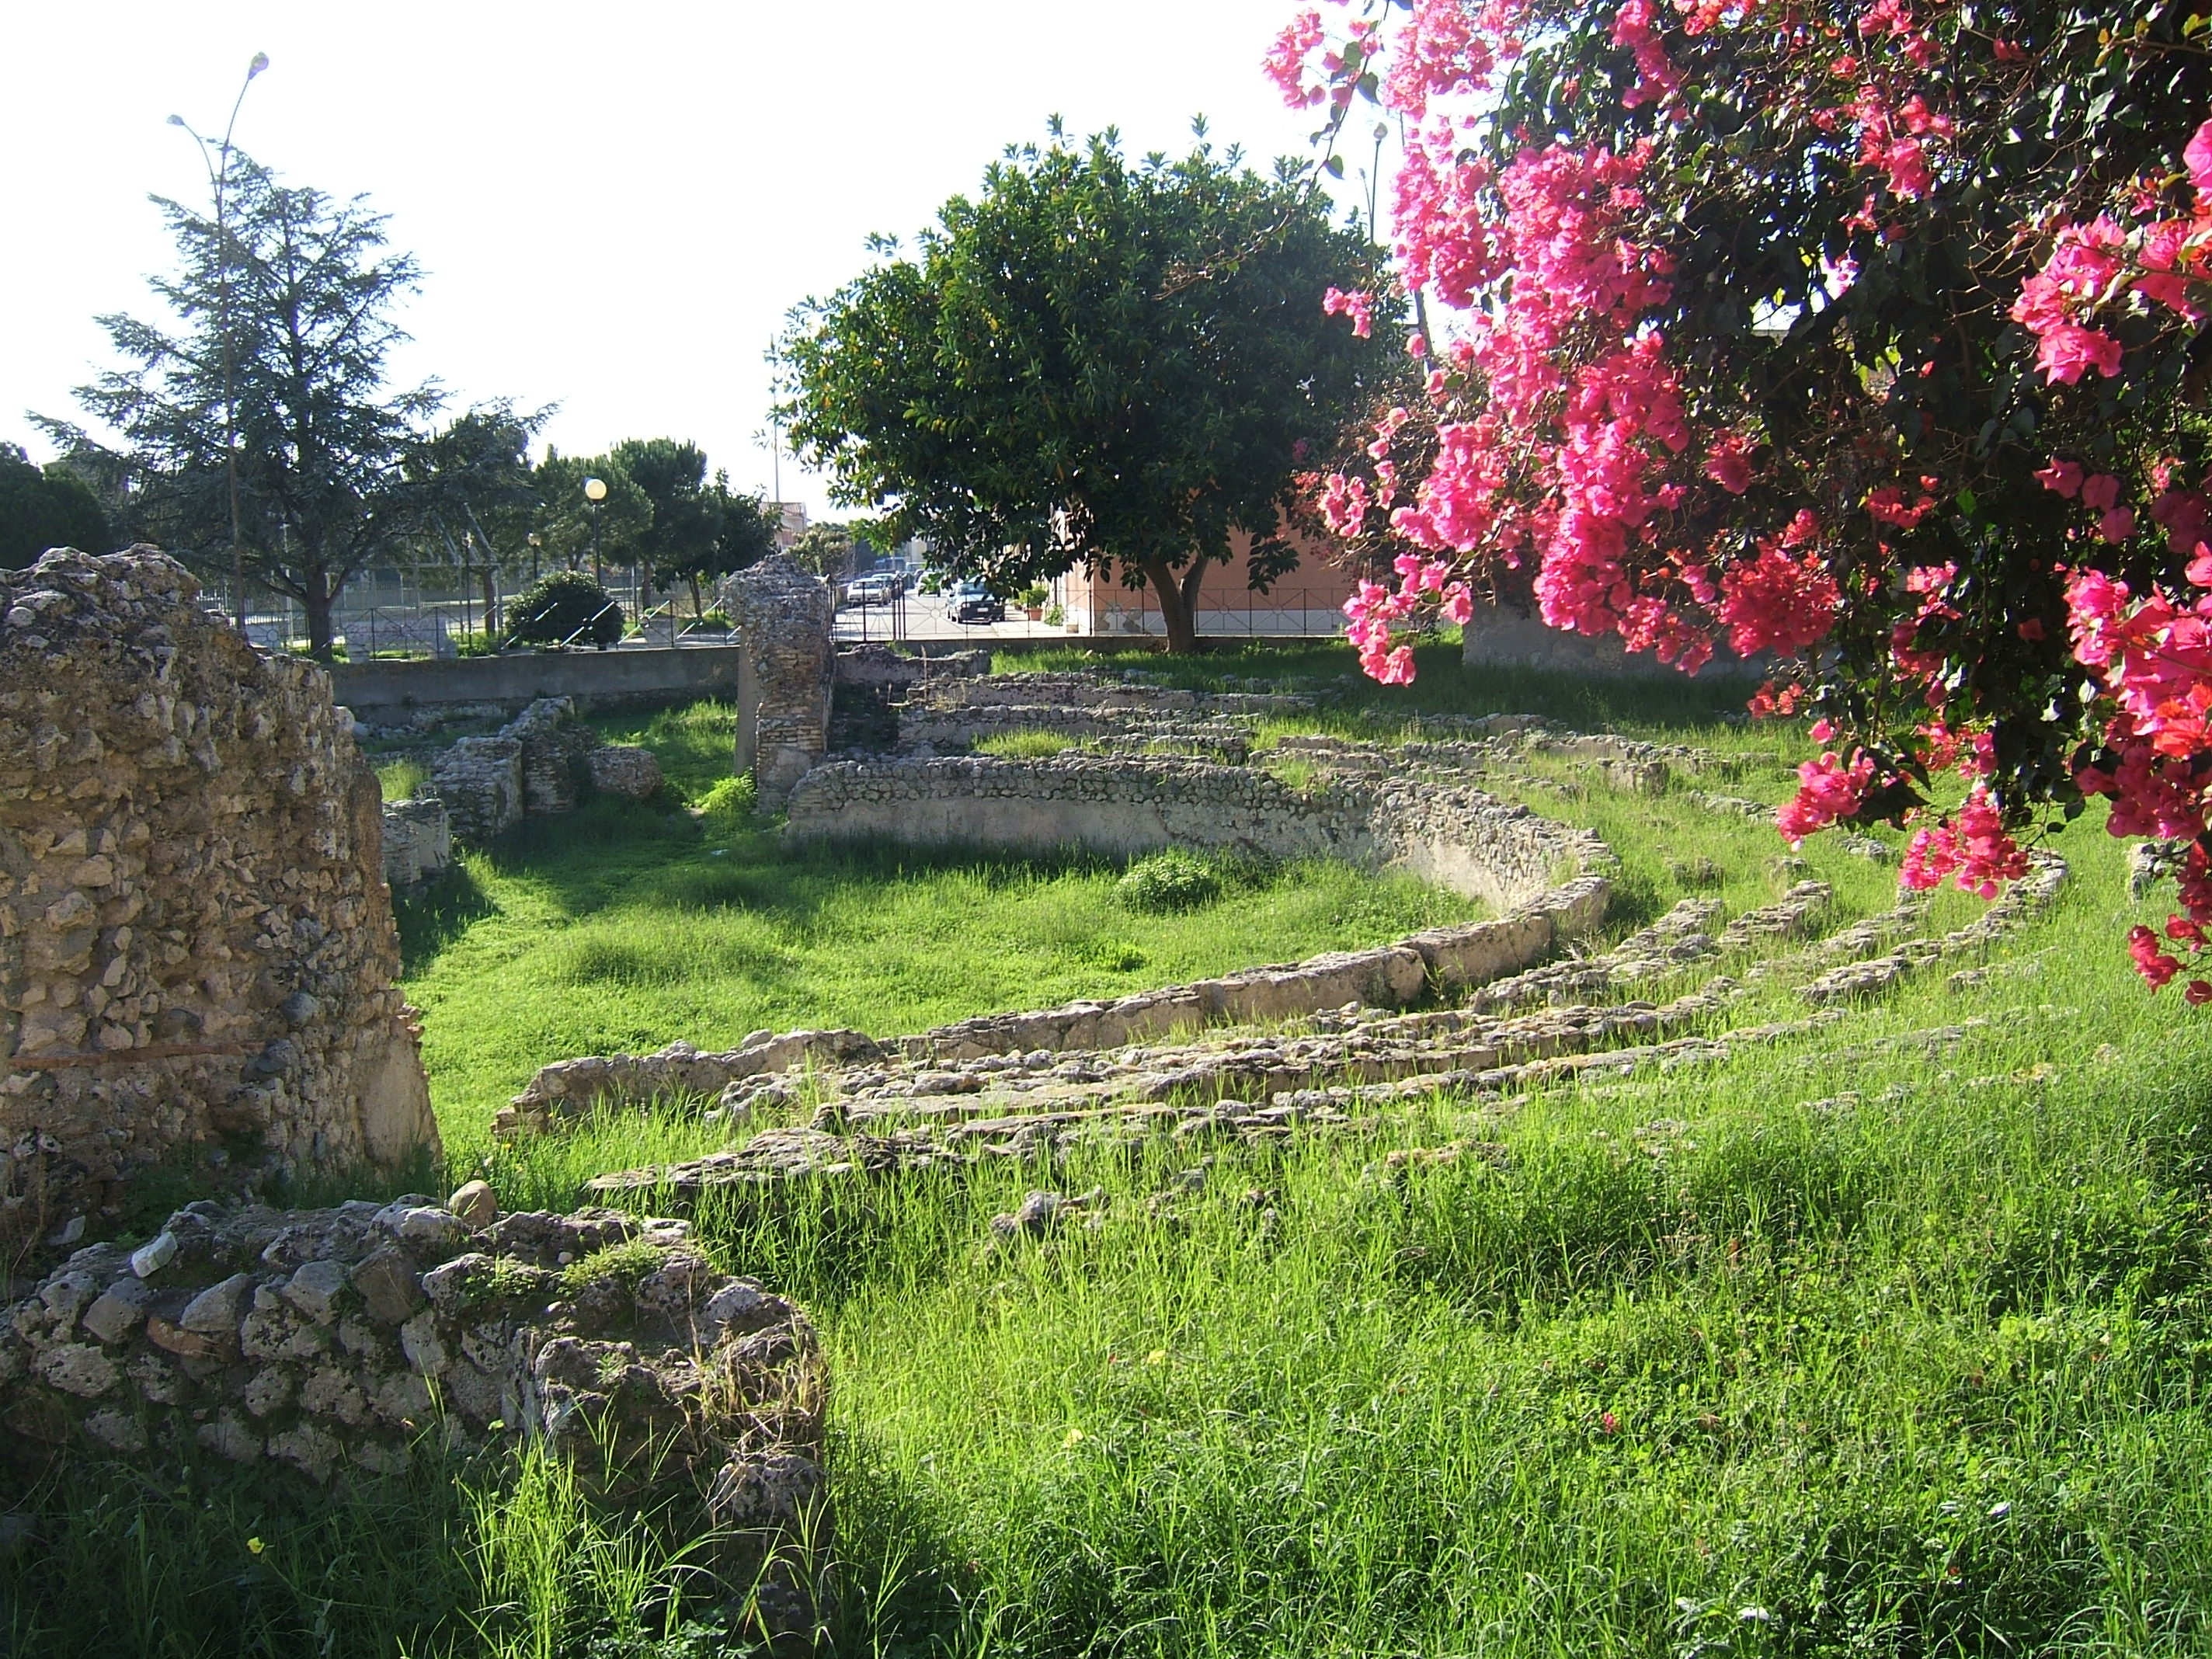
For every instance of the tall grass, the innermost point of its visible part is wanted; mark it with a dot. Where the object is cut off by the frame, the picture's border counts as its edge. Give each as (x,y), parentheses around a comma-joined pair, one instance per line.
(615,928)
(400,779)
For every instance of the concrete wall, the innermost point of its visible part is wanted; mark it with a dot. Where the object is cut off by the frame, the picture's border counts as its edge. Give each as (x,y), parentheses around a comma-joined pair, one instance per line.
(1501,636)
(403,693)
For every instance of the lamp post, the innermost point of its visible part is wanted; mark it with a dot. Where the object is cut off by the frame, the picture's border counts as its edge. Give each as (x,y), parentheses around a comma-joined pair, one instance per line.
(219,182)
(595,492)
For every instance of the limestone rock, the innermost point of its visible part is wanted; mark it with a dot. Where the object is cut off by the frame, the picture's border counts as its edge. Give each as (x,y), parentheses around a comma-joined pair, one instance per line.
(475,1204)
(674,1383)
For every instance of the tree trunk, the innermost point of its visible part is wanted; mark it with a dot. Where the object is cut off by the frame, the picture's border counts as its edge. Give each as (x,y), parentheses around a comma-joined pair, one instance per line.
(1178,602)
(698,608)
(491,604)
(316,597)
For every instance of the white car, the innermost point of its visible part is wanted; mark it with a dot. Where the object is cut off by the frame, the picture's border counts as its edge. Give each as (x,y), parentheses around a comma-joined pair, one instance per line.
(872,589)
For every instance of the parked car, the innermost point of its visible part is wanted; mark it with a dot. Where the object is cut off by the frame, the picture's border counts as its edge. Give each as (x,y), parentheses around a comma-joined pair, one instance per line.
(973,603)
(880,588)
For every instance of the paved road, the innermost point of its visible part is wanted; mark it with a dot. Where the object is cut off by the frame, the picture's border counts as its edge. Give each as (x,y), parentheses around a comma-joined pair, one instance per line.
(928,617)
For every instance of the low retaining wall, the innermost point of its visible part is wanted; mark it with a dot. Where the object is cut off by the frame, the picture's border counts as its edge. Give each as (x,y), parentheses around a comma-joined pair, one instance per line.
(412,694)
(1458,837)
(354,1338)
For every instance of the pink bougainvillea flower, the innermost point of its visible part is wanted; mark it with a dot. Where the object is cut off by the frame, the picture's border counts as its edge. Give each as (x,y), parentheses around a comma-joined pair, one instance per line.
(2198,156)
(1357,305)
(2069,351)
(2064,477)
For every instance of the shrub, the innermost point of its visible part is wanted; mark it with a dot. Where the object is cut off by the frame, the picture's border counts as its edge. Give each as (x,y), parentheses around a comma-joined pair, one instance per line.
(1167,881)
(723,808)
(1032,597)
(565,607)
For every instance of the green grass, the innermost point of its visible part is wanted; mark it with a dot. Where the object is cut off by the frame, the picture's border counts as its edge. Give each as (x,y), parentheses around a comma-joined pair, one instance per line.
(696,744)
(1025,744)
(616,928)
(401,778)
(1661,706)
(1863,1343)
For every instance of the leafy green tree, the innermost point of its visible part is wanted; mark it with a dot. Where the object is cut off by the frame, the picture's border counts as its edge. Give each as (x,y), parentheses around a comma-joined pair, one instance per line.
(321,436)
(1093,363)
(43,509)
(699,530)
(565,607)
(475,495)
(569,529)
(829,550)
(745,531)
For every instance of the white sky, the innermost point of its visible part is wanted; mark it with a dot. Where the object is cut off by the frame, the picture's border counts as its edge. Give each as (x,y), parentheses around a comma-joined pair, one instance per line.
(615,205)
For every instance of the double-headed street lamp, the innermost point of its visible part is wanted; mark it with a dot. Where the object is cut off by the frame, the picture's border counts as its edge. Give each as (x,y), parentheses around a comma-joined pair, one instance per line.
(218,166)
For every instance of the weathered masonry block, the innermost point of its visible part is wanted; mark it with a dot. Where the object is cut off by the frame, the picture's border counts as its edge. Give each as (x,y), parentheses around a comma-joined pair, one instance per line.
(197,951)
(785,676)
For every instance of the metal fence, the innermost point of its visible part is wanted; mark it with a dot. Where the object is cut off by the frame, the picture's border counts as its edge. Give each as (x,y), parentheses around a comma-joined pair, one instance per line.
(392,614)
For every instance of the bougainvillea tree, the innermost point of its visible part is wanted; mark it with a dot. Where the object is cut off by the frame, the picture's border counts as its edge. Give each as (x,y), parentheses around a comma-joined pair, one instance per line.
(1862,336)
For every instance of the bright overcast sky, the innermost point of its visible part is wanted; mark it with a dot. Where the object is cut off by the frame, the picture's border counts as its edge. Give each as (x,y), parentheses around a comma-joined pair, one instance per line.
(615,206)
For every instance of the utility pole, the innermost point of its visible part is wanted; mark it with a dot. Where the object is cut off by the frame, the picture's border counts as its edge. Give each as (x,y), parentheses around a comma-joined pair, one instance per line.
(219,182)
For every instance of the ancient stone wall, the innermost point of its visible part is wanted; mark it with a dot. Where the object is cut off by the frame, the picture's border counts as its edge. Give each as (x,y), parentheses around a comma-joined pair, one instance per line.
(1505,637)
(197,951)
(359,1338)
(1456,835)
(784,616)
(418,842)
(539,763)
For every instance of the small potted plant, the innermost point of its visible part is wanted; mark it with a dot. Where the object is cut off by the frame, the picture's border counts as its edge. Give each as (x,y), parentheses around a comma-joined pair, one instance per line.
(1032,600)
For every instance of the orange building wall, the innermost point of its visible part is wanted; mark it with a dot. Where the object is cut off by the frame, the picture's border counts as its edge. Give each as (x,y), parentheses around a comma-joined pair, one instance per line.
(1307,600)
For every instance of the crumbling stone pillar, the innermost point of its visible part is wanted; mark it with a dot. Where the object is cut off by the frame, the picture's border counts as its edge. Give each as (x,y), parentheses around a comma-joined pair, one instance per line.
(786,670)
(197,949)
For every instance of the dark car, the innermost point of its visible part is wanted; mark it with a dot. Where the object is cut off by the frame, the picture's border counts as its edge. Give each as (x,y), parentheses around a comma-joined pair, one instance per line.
(973,603)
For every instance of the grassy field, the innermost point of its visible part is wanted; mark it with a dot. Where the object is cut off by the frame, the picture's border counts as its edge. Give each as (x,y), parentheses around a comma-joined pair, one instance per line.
(621,928)
(1890,1340)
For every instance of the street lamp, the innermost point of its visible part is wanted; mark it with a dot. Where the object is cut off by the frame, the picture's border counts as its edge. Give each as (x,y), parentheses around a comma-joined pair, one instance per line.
(595,492)
(219,182)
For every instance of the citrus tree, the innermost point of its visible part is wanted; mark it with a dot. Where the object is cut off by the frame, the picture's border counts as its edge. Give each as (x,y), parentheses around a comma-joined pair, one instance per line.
(1866,337)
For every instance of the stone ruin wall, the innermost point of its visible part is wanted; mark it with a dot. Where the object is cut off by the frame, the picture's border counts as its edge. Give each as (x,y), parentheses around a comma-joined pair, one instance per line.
(541,761)
(785,674)
(196,951)
(363,1338)
(1459,837)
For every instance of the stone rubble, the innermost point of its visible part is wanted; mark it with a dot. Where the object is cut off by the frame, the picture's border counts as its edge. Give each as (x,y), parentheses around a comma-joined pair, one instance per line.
(1393,975)
(365,1337)
(929,1104)
(418,842)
